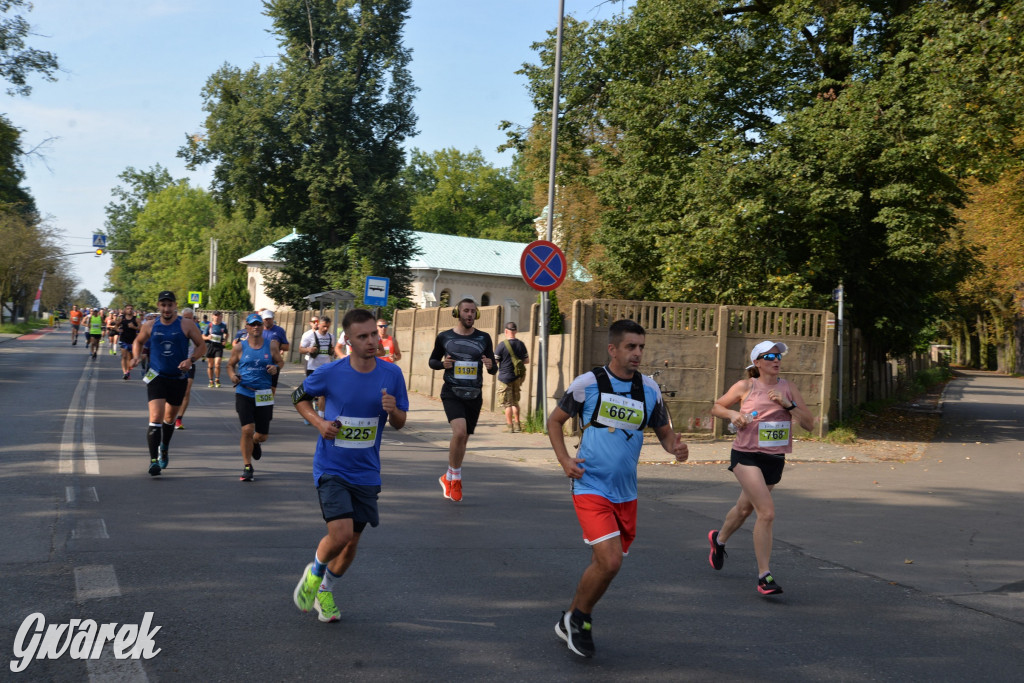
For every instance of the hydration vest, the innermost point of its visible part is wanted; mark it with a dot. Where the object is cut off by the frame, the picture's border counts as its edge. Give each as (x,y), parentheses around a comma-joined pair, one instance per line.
(604,386)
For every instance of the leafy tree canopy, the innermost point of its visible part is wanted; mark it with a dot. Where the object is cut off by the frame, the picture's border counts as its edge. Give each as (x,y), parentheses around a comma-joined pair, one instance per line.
(758,153)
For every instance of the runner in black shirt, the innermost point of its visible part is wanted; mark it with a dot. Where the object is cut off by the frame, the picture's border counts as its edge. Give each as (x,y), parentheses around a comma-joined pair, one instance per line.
(127,328)
(462,352)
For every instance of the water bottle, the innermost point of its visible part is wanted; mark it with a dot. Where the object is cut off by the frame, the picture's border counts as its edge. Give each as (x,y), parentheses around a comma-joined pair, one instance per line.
(750,418)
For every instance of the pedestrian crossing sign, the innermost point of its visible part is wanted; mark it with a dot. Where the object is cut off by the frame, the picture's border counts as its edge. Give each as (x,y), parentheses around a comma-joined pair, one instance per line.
(195,298)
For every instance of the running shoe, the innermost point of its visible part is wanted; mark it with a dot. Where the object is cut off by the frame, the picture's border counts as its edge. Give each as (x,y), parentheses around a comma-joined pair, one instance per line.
(305,591)
(577,636)
(211,384)
(718,554)
(257,451)
(178,424)
(154,468)
(127,376)
(446,487)
(164,457)
(767,586)
(456,490)
(246,473)
(216,385)
(325,607)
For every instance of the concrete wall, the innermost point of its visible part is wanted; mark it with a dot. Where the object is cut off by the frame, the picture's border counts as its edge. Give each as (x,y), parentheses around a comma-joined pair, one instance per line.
(697,351)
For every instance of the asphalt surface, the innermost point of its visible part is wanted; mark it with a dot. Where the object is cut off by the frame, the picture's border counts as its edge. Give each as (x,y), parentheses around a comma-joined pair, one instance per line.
(892,570)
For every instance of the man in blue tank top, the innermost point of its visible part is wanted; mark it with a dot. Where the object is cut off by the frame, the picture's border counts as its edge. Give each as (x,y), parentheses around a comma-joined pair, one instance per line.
(168,337)
(254,361)
(362,394)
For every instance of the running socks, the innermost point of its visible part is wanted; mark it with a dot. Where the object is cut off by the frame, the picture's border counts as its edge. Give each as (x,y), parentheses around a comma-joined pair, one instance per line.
(328,583)
(168,432)
(153,435)
(319,568)
(454,474)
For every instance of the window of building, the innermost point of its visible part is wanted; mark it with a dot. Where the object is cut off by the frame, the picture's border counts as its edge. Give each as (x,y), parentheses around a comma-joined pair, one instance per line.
(446,298)
(485,299)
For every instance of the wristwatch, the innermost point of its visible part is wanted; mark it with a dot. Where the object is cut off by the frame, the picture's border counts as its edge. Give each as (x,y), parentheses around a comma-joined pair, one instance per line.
(792,407)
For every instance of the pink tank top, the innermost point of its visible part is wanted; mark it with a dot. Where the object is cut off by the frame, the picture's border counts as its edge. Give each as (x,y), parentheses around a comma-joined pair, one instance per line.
(772,430)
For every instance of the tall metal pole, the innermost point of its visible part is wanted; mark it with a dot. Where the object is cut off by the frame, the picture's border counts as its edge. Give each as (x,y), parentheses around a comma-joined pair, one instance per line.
(542,389)
(840,354)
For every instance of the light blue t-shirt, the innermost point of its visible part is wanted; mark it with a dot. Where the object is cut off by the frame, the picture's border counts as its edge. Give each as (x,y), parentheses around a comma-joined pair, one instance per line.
(354,398)
(610,458)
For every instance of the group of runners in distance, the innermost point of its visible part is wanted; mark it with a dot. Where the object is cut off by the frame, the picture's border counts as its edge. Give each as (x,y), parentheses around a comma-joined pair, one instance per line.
(352,388)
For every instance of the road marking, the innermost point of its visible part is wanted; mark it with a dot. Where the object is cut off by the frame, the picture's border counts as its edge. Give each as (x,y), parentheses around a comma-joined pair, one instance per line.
(90,528)
(66,463)
(94,582)
(92,463)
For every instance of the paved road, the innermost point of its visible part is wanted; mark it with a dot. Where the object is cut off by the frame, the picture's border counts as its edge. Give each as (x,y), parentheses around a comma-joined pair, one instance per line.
(893,570)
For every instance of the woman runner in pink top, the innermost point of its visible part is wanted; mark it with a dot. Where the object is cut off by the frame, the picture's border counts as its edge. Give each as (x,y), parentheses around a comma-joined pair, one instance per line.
(759,452)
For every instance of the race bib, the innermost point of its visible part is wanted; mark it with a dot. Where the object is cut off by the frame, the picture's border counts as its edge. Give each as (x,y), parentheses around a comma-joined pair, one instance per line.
(264,397)
(465,369)
(216,338)
(620,412)
(356,432)
(773,433)
(149,376)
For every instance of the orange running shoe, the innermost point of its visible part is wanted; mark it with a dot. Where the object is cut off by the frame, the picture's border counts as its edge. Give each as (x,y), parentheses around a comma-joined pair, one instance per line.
(456,490)
(446,486)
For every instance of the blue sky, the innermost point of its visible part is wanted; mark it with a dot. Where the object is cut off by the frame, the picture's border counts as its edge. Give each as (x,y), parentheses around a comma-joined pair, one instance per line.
(133,71)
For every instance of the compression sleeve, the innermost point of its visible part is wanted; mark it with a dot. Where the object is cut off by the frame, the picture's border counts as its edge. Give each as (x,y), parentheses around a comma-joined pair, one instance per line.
(437,355)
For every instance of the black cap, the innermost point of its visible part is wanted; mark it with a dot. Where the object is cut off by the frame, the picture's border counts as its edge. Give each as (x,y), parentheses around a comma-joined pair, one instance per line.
(167,295)
(511,326)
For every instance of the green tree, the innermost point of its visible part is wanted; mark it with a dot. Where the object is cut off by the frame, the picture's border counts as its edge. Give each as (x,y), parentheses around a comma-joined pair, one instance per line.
(455,193)
(17,60)
(30,248)
(315,139)
(758,153)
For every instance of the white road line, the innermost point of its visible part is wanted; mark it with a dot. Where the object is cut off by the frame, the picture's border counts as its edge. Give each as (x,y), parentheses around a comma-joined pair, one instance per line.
(94,582)
(69,495)
(66,463)
(92,463)
(90,528)
(89,494)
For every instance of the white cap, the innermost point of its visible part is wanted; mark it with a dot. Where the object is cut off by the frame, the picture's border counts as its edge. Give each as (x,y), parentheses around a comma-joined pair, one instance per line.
(765,347)
(267,313)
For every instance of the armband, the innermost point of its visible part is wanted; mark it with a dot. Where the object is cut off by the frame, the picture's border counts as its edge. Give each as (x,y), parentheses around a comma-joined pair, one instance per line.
(300,395)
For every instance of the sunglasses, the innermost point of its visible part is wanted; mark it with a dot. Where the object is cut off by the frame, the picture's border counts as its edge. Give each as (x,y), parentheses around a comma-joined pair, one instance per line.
(381,325)
(770,356)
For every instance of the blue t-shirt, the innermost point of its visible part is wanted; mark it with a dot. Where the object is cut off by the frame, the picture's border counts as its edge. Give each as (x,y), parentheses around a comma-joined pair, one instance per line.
(610,458)
(276,332)
(252,369)
(354,398)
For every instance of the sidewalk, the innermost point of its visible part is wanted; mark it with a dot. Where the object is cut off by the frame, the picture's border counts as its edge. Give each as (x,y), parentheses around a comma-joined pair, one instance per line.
(427,422)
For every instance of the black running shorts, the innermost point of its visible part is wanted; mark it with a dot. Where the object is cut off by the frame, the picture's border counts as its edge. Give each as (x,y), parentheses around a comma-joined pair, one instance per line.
(770,465)
(169,389)
(251,414)
(467,409)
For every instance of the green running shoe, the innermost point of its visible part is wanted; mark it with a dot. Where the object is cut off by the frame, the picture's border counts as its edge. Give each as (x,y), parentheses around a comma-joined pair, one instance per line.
(325,607)
(305,591)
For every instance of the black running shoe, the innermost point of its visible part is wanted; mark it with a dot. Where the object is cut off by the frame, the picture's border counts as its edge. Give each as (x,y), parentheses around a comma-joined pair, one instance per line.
(257,450)
(718,554)
(154,468)
(165,457)
(576,635)
(246,473)
(767,586)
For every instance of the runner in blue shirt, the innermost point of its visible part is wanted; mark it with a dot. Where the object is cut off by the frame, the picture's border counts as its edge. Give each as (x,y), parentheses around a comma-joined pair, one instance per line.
(254,361)
(362,394)
(615,403)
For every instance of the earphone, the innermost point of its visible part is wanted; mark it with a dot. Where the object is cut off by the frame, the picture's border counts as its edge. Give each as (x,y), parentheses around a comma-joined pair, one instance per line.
(455,311)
